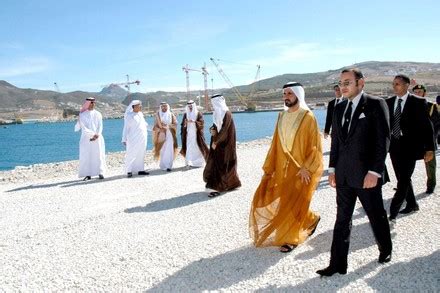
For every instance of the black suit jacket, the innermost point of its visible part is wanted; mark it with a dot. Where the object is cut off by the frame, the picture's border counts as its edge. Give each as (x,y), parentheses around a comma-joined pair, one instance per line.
(416,128)
(366,145)
(329,117)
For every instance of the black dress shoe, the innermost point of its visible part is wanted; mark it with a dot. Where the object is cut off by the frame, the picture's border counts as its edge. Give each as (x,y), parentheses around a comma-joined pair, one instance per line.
(330,271)
(408,210)
(129,175)
(384,257)
(87,178)
(429,191)
(168,170)
(101,176)
(143,173)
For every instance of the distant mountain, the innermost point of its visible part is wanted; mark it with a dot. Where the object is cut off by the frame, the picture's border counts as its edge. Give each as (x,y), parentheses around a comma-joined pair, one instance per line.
(114,92)
(113,99)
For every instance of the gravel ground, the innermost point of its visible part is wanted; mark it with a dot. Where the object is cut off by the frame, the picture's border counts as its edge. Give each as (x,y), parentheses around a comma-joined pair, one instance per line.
(162,233)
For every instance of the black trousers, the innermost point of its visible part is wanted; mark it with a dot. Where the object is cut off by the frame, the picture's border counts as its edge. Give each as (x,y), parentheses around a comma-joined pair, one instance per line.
(372,202)
(403,166)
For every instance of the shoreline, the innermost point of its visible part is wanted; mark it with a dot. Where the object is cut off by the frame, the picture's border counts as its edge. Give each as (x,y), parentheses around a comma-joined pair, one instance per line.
(114,160)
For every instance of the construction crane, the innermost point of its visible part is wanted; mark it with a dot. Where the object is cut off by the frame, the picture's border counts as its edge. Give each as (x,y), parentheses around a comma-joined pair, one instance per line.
(55,85)
(241,98)
(125,84)
(205,73)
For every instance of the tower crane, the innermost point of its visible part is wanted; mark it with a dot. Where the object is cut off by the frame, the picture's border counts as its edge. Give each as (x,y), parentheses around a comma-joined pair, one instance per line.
(205,73)
(126,84)
(55,85)
(241,98)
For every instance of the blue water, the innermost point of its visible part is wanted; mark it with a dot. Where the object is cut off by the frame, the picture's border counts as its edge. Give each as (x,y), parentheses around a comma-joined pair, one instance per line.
(27,144)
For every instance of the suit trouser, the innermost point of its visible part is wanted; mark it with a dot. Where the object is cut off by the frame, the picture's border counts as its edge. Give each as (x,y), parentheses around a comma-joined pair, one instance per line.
(372,202)
(430,172)
(403,167)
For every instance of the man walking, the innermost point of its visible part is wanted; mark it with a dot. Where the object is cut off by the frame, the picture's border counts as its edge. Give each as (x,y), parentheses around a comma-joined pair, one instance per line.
(434,117)
(281,216)
(359,146)
(412,139)
(331,108)
(220,172)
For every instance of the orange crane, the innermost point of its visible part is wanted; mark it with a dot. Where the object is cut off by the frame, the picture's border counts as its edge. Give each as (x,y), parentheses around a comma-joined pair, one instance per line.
(241,98)
(205,73)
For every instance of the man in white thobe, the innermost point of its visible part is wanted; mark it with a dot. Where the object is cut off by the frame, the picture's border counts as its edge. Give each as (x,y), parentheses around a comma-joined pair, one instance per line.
(134,137)
(164,137)
(91,144)
(194,147)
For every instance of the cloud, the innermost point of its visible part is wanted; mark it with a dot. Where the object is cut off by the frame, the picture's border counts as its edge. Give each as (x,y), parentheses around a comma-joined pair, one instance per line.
(24,66)
(285,52)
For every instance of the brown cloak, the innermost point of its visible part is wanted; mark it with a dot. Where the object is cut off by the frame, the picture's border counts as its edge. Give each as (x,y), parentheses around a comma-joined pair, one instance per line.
(200,136)
(220,171)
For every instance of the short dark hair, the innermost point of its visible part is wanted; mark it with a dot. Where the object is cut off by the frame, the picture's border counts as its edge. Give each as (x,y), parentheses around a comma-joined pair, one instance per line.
(336,86)
(356,71)
(404,78)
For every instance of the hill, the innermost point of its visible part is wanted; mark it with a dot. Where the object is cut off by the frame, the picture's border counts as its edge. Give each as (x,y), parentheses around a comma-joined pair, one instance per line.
(43,104)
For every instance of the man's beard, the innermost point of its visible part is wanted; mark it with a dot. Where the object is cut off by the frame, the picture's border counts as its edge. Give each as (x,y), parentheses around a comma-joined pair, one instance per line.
(290,104)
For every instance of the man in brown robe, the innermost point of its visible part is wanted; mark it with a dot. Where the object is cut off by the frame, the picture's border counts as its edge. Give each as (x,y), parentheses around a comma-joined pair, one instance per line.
(220,172)
(280,213)
(194,147)
(164,137)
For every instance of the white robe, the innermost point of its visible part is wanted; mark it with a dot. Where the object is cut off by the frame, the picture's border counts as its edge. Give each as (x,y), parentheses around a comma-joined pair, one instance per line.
(135,137)
(194,156)
(167,152)
(91,153)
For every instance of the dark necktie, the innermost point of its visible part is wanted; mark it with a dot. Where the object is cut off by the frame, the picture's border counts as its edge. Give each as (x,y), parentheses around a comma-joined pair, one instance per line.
(396,121)
(347,118)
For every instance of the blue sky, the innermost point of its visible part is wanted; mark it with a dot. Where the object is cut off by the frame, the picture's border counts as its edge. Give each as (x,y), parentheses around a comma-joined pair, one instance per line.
(83,45)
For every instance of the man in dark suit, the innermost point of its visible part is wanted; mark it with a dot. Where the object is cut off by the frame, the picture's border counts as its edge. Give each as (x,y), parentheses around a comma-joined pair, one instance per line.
(330,109)
(412,139)
(359,146)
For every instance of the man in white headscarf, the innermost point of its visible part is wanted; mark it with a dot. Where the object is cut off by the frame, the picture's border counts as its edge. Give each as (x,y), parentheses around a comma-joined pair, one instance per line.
(194,148)
(134,137)
(91,144)
(220,172)
(280,214)
(164,137)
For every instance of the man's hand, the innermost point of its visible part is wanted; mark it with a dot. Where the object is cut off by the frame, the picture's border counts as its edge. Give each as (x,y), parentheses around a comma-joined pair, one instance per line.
(213,132)
(213,146)
(370,180)
(304,174)
(429,155)
(332,180)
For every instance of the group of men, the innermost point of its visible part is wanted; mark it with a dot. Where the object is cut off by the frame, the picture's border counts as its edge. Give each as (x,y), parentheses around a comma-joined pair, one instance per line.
(220,173)
(364,130)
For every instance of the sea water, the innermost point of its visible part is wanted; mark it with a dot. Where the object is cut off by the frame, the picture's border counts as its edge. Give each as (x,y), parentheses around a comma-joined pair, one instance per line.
(27,144)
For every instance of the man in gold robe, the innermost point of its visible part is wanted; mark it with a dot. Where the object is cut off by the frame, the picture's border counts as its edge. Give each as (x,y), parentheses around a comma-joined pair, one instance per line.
(280,214)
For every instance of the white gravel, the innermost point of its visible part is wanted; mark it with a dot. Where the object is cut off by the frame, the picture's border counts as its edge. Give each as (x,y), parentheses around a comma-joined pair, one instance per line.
(162,233)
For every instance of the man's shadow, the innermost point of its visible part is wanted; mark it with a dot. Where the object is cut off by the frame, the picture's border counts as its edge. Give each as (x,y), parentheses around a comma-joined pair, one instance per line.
(93,181)
(37,186)
(419,275)
(221,271)
(170,203)
(361,237)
